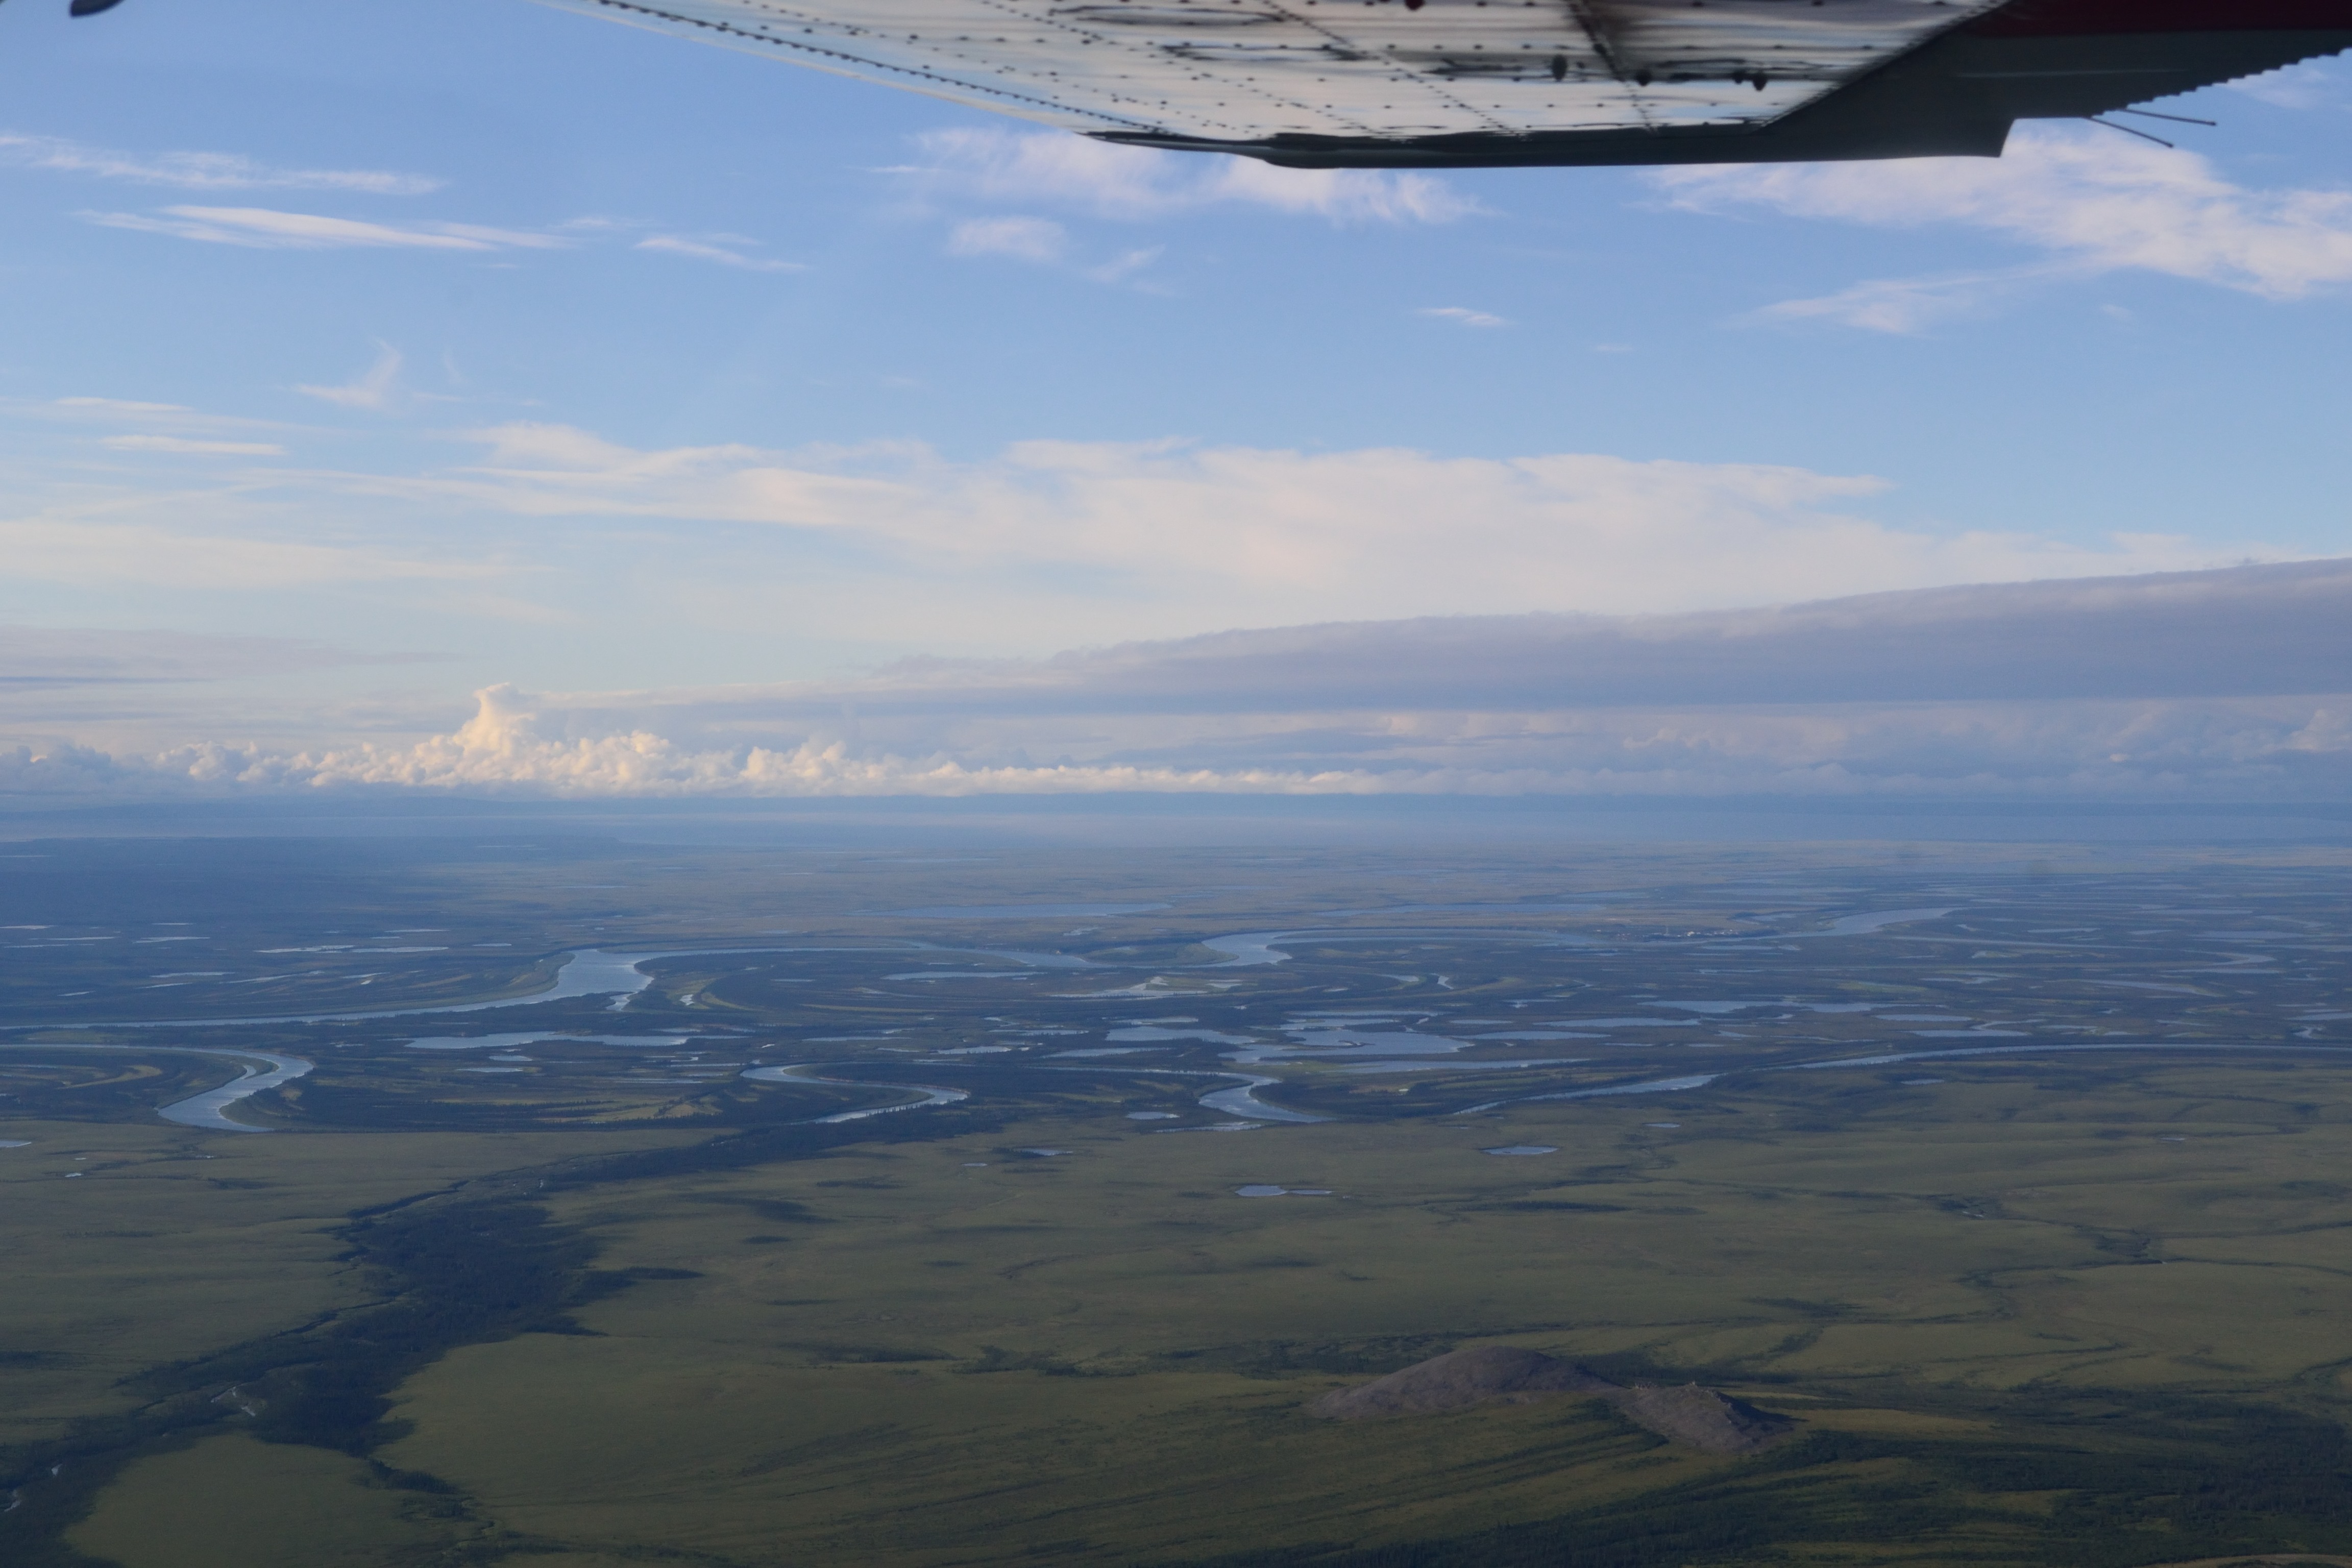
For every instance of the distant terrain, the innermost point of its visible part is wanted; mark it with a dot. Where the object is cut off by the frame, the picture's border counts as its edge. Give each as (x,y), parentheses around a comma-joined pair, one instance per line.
(767,1206)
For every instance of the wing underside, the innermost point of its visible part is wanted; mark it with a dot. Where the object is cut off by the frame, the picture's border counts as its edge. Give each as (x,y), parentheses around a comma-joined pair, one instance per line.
(1448,83)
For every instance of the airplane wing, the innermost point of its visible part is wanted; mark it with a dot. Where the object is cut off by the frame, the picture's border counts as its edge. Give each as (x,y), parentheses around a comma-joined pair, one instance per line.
(1471,83)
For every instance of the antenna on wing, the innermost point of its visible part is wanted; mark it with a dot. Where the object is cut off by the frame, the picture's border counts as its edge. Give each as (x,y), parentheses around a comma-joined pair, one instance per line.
(2128,131)
(2175,118)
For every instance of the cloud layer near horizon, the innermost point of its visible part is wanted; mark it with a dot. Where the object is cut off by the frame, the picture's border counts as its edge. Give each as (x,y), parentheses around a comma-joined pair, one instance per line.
(2197,685)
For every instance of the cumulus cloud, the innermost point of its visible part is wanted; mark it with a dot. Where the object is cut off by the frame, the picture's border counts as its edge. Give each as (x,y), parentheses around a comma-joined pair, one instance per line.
(199,171)
(2094,203)
(265,228)
(2168,750)
(1116,182)
(509,745)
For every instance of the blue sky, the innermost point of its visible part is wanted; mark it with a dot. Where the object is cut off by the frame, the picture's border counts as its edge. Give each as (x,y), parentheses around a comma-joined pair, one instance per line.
(490,343)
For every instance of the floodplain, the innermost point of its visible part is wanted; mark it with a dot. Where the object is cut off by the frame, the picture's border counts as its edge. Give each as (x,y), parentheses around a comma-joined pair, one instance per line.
(921,1210)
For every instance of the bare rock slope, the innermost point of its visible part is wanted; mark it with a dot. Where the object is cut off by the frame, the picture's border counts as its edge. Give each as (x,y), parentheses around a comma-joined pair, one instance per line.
(1704,1418)
(1696,1417)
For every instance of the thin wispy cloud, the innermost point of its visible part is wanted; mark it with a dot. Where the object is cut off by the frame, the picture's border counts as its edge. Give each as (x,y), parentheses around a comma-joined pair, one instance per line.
(121,418)
(265,228)
(1463,316)
(60,658)
(180,446)
(119,407)
(1135,183)
(1910,305)
(1022,238)
(2092,202)
(86,550)
(200,171)
(725,249)
(1119,268)
(376,389)
(1043,242)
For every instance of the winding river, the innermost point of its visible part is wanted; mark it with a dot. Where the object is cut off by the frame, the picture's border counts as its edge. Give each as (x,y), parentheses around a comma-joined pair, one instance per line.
(931,1093)
(588,972)
(207,1110)
(592,972)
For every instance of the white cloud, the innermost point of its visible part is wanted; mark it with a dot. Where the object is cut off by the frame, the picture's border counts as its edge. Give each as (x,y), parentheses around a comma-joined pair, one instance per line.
(376,389)
(1022,238)
(2094,202)
(120,405)
(1164,536)
(200,171)
(2296,86)
(809,557)
(1465,316)
(1344,196)
(127,417)
(1045,243)
(2155,750)
(1119,268)
(508,746)
(68,657)
(1118,182)
(264,228)
(727,249)
(75,549)
(182,445)
(1907,305)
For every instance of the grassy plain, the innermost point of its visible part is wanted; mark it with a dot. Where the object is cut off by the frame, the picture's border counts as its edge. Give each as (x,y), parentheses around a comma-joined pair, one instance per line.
(901,1356)
(571,1301)
(194,1507)
(135,1245)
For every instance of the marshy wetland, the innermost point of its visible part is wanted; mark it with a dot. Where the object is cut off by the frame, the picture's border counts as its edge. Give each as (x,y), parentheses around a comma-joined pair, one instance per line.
(910,1212)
